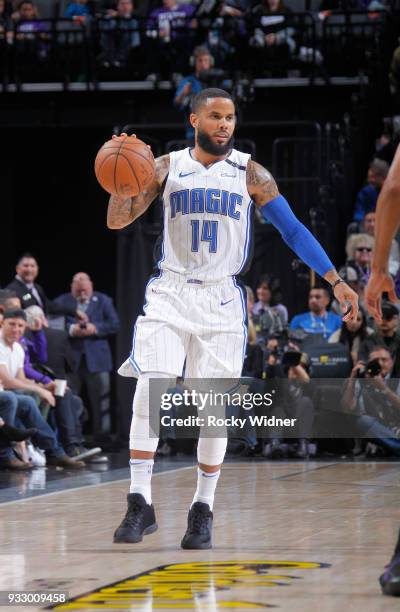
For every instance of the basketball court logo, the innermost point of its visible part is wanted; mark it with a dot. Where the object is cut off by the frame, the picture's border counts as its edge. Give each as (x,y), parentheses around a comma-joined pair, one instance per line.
(211,584)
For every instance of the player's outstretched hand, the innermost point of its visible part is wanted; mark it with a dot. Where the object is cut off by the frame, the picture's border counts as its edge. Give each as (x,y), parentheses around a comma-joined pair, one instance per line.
(348,300)
(379,282)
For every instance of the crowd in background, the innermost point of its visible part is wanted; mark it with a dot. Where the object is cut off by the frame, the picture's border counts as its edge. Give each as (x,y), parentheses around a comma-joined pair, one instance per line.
(55,356)
(159,35)
(55,359)
(55,364)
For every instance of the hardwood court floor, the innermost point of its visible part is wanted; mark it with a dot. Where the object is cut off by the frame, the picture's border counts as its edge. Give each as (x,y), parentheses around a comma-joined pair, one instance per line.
(336,522)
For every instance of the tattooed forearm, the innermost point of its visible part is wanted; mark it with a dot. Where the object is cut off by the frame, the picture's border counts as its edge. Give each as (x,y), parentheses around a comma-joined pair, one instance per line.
(260,184)
(123,211)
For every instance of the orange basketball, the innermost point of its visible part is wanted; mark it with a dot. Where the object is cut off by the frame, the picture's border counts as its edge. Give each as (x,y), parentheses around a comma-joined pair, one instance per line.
(125,166)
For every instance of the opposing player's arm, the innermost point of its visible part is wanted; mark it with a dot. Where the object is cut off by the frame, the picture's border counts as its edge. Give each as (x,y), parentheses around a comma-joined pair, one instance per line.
(387,224)
(275,209)
(123,211)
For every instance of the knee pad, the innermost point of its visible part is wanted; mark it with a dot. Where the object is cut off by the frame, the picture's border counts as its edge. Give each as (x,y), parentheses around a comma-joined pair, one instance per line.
(139,438)
(211,451)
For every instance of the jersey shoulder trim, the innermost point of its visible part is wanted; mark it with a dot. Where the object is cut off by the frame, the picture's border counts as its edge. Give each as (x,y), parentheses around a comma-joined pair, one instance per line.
(235,165)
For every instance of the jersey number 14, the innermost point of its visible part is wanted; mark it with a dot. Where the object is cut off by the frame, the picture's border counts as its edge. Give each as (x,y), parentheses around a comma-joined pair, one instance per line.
(207,233)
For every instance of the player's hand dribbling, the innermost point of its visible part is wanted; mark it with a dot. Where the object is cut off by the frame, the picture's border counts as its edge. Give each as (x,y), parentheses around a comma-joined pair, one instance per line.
(378,283)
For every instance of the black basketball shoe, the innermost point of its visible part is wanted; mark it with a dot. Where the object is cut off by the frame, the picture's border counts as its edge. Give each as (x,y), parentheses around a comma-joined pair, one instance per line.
(139,520)
(198,532)
(390,579)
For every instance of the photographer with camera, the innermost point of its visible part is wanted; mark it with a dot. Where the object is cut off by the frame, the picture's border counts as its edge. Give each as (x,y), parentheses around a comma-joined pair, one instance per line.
(372,396)
(191,85)
(288,362)
(387,334)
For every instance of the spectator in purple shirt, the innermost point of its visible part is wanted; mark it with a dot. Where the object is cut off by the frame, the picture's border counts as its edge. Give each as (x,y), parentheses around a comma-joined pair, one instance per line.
(69,408)
(169,40)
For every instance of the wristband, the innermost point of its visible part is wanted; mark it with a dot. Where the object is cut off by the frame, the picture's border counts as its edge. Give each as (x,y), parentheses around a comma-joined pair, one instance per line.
(339,280)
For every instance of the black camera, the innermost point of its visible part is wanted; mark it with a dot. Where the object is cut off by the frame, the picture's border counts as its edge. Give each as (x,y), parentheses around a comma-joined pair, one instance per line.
(372,369)
(291,359)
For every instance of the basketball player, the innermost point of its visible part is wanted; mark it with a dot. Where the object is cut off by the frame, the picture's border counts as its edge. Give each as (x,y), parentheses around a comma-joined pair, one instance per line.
(195,308)
(387,224)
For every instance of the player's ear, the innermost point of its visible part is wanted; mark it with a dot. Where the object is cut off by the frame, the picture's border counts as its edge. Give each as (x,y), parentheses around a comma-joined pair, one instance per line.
(193,118)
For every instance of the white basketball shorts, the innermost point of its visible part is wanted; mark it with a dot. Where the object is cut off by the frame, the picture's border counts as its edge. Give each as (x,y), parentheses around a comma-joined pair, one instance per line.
(203,323)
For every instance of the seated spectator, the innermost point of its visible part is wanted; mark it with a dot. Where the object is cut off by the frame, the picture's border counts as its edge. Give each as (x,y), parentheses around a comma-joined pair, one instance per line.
(93,361)
(359,253)
(318,320)
(79,8)
(387,334)
(367,197)
(32,294)
(9,434)
(374,402)
(352,333)
(268,320)
(69,409)
(168,37)
(367,226)
(268,296)
(272,30)
(5,296)
(295,401)
(12,378)
(6,27)
(119,35)
(192,85)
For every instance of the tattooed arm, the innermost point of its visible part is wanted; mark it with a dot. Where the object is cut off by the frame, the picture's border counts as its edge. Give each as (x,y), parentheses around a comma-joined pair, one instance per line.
(122,211)
(260,184)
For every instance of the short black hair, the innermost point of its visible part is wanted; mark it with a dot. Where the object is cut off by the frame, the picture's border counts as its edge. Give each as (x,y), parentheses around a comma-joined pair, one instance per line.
(212,92)
(6,294)
(324,289)
(26,255)
(14,313)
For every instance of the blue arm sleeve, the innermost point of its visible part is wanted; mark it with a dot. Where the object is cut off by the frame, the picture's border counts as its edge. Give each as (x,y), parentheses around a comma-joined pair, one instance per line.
(296,235)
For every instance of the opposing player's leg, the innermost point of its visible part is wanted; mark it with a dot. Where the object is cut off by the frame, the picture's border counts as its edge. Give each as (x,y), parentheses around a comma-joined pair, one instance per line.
(140,517)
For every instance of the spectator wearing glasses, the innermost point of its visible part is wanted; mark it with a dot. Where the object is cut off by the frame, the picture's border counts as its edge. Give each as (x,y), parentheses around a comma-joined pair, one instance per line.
(387,334)
(367,226)
(367,196)
(318,320)
(359,252)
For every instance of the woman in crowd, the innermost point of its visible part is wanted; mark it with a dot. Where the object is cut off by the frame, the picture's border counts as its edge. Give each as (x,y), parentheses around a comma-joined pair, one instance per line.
(351,334)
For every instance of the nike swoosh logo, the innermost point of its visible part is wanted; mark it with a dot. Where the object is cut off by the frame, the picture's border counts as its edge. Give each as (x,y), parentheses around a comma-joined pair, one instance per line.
(224,303)
(181,175)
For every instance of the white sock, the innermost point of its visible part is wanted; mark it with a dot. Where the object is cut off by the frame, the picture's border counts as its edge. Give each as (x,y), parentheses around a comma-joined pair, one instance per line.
(206,485)
(141,472)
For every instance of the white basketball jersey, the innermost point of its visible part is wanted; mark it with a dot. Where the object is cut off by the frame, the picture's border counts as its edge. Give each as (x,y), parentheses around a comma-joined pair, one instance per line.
(207,217)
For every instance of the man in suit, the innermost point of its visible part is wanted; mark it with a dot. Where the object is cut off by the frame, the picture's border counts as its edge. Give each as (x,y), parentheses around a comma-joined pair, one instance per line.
(32,294)
(89,340)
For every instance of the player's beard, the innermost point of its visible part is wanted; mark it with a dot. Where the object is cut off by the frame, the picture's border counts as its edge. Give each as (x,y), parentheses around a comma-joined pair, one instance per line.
(213,148)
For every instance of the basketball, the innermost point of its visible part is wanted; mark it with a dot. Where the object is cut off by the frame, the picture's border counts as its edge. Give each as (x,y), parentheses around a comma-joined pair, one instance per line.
(125,166)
